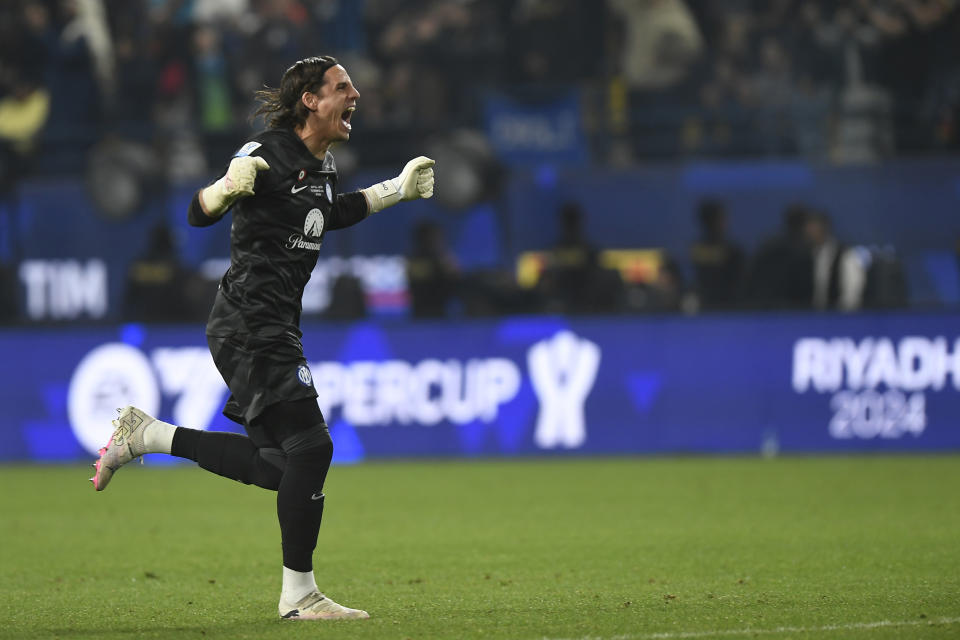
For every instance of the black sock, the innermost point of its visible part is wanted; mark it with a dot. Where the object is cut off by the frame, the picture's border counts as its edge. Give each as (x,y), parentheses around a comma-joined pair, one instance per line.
(229,455)
(300,496)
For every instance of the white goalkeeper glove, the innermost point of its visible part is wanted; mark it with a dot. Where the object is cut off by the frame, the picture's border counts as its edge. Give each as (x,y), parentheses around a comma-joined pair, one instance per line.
(415,181)
(237,183)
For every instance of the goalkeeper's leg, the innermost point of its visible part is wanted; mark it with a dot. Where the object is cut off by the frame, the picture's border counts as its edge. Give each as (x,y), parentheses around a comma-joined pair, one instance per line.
(231,455)
(299,427)
(296,468)
(226,454)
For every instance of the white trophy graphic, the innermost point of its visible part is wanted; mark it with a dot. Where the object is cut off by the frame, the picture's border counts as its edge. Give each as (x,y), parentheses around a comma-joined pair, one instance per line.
(563,369)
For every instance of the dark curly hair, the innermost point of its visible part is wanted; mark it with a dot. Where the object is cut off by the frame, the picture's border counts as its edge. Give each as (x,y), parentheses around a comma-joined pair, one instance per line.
(282,106)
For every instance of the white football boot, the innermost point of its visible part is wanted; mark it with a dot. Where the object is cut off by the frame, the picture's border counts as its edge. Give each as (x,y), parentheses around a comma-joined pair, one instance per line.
(125,444)
(316,606)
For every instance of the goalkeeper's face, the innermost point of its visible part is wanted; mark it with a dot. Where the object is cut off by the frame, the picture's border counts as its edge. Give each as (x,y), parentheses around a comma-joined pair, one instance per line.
(334,105)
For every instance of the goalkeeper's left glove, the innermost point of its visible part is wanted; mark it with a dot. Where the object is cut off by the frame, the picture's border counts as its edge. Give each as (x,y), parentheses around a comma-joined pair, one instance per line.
(415,181)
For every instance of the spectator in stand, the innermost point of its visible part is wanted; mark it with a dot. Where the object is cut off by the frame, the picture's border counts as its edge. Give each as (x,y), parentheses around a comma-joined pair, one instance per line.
(24,108)
(433,274)
(667,291)
(662,41)
(839,270)
(574,281)
(27,39)
(771,89)
(781,276)
(24,111)
(137,71)
(9,305)
(722,93)
(160,288)
(718,263)
(84,72)
(348,300)
(540,34)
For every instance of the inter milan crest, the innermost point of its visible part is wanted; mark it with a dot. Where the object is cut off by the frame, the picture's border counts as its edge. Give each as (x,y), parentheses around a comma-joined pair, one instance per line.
(304,375)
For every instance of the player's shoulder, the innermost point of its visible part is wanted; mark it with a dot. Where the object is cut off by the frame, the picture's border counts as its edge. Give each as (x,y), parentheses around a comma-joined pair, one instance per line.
(284,150)
(276,142)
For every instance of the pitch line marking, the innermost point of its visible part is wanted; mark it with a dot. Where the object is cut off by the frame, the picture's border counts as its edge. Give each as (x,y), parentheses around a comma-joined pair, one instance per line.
(853,626)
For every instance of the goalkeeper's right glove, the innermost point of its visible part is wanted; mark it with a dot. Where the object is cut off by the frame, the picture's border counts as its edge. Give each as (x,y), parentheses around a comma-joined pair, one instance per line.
(237,183)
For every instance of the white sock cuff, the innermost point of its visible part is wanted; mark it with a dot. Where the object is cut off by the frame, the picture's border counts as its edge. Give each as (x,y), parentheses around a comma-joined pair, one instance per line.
(158,437)
(297,585)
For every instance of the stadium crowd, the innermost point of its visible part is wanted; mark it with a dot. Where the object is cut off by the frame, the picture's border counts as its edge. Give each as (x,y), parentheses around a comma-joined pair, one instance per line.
(844,79)
(167,86)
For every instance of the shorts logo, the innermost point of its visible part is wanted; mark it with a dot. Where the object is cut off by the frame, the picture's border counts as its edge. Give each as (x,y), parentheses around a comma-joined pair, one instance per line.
(304,375)
(301,175)
(329,192)
(313,225)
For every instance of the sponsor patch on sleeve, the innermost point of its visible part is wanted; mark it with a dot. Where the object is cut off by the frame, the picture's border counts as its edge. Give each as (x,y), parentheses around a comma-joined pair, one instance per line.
(246,149)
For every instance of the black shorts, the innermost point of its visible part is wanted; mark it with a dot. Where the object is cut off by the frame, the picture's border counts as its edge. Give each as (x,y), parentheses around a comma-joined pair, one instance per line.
(259,373)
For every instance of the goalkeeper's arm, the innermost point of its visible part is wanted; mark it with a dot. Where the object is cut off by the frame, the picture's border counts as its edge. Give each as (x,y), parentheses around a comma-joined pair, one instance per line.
(415,181)
(210,203)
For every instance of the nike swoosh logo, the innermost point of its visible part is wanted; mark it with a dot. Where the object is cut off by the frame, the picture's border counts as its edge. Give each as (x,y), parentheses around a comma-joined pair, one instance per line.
(298,190)
(316,497)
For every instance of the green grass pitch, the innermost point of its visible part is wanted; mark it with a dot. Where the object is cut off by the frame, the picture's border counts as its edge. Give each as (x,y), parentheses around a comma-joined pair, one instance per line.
(621,548)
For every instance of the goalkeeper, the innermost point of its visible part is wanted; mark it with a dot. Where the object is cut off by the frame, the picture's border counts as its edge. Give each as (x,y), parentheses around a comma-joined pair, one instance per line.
(282,189)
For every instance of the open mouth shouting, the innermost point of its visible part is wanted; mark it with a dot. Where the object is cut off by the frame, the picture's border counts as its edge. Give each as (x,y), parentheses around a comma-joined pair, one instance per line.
(345,118)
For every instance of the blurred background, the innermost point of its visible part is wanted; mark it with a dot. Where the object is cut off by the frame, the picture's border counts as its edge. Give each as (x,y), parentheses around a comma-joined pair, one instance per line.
(743,214)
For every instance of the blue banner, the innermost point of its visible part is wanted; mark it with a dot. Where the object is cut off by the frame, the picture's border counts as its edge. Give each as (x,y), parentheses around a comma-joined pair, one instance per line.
(530,134)
(527,386)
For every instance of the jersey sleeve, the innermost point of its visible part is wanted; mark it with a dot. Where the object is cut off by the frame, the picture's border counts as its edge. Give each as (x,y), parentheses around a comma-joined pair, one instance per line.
(195,215)
(349,209)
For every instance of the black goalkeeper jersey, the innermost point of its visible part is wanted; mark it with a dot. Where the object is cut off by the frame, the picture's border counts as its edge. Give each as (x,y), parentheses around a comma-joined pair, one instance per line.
(276,236)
